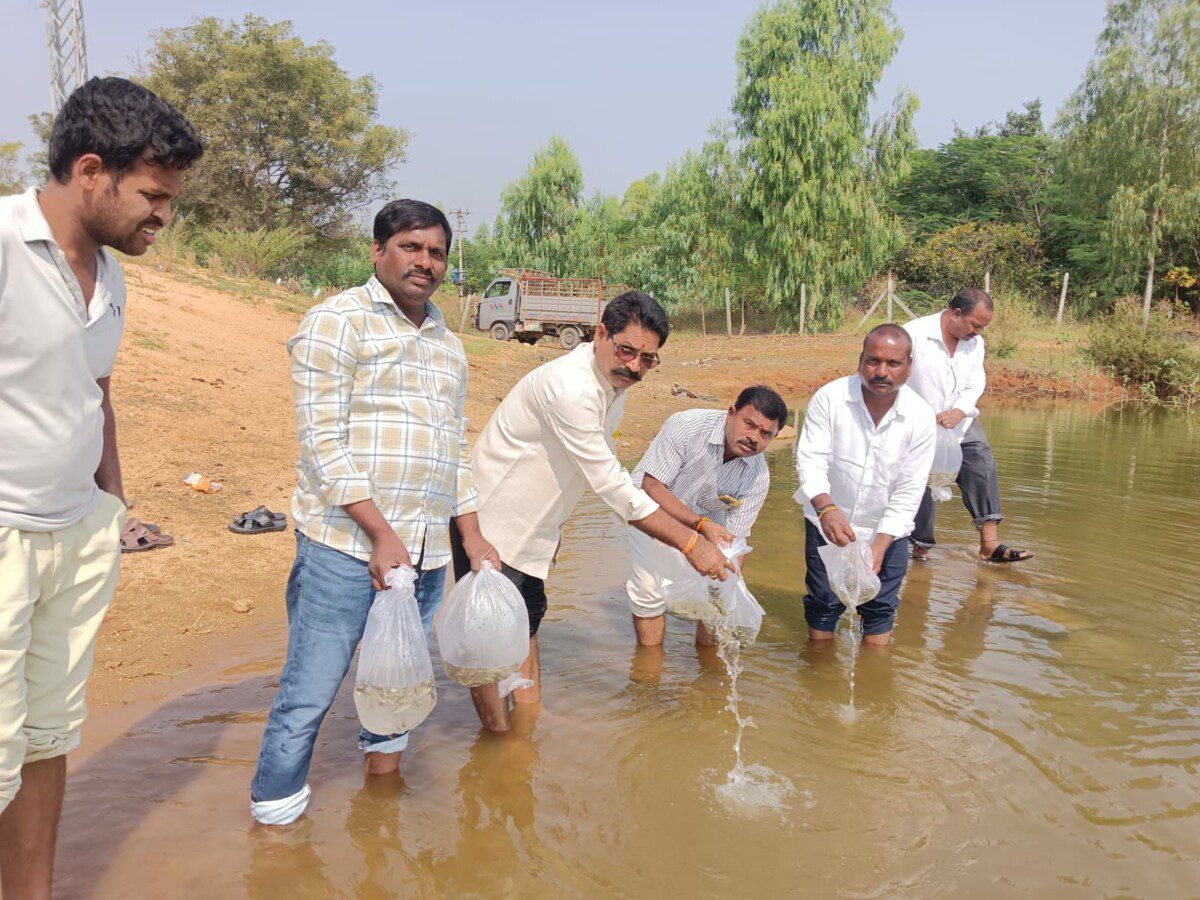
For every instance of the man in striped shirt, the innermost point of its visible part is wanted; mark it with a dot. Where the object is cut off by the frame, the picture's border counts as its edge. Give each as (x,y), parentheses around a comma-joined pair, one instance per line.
(705,468)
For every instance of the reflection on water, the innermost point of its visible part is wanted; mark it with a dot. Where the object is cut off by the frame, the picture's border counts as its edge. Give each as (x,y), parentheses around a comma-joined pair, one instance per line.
(1032,727)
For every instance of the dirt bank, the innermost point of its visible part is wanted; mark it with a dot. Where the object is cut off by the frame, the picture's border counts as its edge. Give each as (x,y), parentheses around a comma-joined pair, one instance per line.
(202,384)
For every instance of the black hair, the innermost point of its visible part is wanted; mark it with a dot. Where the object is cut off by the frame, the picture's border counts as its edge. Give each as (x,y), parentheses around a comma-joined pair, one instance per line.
(407,215)
(638,308)
(888,329)
(967,299)
(121,122)
(766,401)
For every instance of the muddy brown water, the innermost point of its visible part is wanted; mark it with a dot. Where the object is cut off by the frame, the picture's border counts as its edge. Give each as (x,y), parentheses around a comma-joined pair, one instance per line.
(1031,728)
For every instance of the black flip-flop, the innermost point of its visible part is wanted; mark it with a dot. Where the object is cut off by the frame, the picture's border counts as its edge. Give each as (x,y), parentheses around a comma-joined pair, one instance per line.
(258,520)
(1003,554)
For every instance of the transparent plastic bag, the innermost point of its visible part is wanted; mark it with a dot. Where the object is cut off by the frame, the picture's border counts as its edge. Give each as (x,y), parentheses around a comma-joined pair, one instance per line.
(393,688)
(688,594)
(851,570)
(482,629)
(947,460)
(743,614)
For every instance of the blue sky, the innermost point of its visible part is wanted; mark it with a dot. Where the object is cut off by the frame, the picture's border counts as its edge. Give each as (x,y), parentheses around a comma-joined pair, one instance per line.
(630,85)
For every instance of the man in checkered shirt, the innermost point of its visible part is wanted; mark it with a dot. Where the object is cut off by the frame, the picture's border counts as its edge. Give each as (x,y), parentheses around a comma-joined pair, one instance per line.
(705,468)
(380,385)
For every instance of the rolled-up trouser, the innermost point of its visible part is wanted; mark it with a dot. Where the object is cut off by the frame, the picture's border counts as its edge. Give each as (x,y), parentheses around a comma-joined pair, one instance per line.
(329,595)
(978,483)
(822,608)
(644,586)
(55,587)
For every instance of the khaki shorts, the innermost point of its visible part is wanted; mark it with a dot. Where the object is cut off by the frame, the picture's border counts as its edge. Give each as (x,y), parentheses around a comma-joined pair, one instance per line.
(54,589)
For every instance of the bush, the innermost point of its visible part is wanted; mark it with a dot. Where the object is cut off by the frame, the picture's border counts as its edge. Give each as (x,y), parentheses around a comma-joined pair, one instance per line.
(1017,318)
(262,253)
(1155,359)
(339,269)
(958,257)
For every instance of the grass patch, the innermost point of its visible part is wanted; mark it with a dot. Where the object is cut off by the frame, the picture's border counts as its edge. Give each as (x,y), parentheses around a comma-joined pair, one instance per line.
(1155,358)
(148,341)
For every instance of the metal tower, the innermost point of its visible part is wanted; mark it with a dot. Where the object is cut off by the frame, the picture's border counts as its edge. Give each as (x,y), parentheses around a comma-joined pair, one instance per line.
(68,51)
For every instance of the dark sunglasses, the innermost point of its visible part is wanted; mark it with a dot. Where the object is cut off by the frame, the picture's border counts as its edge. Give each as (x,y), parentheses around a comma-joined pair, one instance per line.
(627,354)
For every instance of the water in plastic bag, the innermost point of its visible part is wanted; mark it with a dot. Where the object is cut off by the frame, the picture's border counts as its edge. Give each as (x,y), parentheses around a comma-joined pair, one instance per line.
(851,570)
(394,688)
(482,629)
(743,614)
(947,460)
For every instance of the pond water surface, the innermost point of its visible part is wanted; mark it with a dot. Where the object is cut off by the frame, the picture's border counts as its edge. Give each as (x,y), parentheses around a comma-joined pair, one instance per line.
(1032,727)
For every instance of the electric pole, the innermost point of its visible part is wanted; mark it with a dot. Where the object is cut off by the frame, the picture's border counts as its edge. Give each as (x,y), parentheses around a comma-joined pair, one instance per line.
(459,215)
(68,50)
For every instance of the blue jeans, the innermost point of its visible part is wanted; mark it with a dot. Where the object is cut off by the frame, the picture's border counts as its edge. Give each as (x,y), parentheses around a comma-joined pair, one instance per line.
(329,594)
(822,608)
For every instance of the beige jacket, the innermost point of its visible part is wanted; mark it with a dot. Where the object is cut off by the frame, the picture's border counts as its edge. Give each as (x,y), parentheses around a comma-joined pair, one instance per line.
(548,440)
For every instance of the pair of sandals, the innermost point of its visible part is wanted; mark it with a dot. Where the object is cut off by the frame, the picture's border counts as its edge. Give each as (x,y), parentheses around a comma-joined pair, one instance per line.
(138,536)
(258,520)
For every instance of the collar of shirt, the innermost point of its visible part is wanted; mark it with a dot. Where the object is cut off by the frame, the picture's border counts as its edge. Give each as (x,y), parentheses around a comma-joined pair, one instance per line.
(433,315)
(30,219)
(610,392)
(34,228)
(854,394)
(930,328)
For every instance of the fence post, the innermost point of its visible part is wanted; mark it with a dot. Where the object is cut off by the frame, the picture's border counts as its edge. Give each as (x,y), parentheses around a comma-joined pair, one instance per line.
(987,281)
(891,290)
(742,301)
(703,325)
(803,305)
(728,315)
(1062,298)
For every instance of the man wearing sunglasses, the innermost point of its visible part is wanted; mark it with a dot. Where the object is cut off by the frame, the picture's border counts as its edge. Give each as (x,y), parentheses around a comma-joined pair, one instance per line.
(552,437)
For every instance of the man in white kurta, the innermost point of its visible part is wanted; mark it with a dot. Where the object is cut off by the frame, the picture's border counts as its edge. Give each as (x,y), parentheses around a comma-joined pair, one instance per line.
(551,438)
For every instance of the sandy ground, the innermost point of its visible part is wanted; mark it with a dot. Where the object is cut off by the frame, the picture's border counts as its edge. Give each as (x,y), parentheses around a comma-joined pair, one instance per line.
(202,384)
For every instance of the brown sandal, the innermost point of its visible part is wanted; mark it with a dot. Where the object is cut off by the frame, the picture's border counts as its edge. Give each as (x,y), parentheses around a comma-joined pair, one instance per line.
(137,537)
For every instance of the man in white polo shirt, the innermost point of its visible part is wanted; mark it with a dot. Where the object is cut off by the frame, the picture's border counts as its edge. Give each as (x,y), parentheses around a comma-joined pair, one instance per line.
(705,468)
(863,459)
(116,155)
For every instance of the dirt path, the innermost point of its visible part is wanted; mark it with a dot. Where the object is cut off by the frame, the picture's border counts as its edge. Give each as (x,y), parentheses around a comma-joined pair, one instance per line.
(202,384)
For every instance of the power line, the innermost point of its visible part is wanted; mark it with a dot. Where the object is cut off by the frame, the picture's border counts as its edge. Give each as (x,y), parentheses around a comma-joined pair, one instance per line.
(459,216)
(68,49)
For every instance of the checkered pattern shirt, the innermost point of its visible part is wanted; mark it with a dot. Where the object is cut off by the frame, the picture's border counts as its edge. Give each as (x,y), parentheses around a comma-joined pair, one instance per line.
(380,416)
(687,456)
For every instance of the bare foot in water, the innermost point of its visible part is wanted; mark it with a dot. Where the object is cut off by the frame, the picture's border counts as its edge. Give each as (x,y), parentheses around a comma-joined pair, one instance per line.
(381,763)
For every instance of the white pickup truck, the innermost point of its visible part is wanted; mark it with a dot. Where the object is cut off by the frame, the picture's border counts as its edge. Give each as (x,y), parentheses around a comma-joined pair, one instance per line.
(526,304)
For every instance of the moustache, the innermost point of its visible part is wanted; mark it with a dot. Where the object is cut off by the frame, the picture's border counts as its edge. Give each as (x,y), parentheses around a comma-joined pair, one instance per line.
(882,382)
(626,373)
(424,273)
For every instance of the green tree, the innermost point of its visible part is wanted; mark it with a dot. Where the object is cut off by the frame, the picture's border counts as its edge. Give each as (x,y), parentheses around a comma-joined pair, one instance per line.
(290,138)
(819,170)
(998,174)
(1133,127)
(694,228)
(540,209)
(12,180)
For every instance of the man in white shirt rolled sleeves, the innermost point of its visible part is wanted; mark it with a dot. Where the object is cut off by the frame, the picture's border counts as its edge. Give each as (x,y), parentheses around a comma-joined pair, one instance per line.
(116,156)
(948,373)
(705,467)
(863,459)
(552,437)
